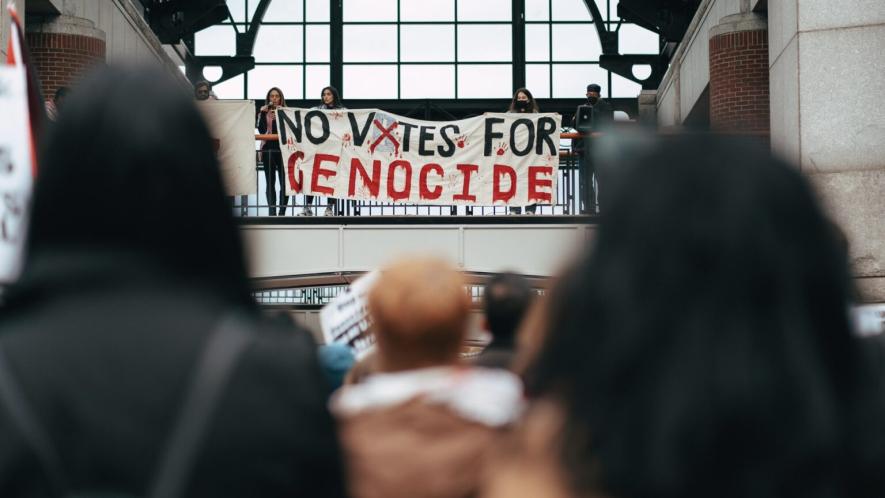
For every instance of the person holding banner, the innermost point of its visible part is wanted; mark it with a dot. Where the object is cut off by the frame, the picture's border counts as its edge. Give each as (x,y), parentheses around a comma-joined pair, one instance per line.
(270,151)
(524,102)
(330,100)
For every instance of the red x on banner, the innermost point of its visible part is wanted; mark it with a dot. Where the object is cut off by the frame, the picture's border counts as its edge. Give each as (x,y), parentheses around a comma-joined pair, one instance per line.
(385,133)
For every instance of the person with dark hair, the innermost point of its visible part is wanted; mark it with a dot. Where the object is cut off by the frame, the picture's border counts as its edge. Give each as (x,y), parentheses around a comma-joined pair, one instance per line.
(330,100)
(523,102)
(133,359)
(703,346)
(506,298)
(271,157)
(202,90)
(421,423)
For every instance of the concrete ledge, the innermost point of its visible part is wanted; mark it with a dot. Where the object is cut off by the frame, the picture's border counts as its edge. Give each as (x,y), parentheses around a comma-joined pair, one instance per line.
(871,289)
(739,22)
(64,25)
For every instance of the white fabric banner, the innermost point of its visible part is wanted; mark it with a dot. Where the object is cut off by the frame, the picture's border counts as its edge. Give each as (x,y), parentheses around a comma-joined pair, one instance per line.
(232,126)
(16,177)
(496,158)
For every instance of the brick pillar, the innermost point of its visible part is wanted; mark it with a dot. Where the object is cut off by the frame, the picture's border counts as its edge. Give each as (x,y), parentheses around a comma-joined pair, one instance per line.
(739,99)
(63,48)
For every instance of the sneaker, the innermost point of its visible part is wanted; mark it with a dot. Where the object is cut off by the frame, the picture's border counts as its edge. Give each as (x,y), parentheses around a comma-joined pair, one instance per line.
(329,211)
(307,212)
(515,211)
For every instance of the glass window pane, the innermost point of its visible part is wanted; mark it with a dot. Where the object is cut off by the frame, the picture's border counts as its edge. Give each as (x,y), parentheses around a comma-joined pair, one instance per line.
(537,42)
(571,80)
(237,9)
(317,78)
(279,44)
(537,10)
(484,10)
(622,87)
(284,11)
(570,10)
(317,10)
(633,39)
(215,40)
(370,82)
(370,43)
(537,80)
(369,10)
(575,42)
(427,81)
(427,43)
(427,10)
(485,81)
(484,42)
(230,89)
(286,78)
(317,43)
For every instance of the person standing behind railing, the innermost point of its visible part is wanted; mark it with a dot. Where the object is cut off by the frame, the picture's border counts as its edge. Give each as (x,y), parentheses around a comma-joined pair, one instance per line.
(270,151)
(330,100)
(523,102)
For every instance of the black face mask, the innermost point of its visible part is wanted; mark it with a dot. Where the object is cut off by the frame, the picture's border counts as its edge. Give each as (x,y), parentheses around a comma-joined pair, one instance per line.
(522,105)
(593,100)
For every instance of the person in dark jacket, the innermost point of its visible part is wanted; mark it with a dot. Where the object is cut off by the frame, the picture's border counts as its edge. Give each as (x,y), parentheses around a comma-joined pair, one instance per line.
(271,156)
(523,102)
(506,298)
(601,116)
(128,309)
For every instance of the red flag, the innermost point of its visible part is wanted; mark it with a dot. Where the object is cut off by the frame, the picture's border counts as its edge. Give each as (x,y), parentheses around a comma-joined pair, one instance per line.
(17,55)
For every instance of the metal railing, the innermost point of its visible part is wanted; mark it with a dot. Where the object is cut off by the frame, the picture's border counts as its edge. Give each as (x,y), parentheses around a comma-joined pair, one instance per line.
(572,186)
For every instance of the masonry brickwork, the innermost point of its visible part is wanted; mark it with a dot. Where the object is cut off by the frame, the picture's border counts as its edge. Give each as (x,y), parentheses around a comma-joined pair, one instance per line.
(739,91)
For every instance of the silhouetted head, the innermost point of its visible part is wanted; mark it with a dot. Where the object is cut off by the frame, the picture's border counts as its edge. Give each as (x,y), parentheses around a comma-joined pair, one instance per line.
(506,299)
(137,176)
(419,307)
(703,347)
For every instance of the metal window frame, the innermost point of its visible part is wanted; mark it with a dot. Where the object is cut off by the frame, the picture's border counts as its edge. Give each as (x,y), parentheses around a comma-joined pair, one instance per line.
(517,22)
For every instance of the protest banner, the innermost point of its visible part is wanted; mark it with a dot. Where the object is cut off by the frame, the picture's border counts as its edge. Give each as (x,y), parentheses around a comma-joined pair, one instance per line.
(369,154)
(232,127)
(345,320)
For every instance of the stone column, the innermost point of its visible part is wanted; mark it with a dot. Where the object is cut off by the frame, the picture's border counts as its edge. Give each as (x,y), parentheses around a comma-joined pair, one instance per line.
(827,89)
(739,96)
(63,48)
(648,107)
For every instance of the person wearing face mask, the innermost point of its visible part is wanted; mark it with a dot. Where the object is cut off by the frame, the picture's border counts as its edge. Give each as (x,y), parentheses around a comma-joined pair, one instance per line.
(330,100)
(523,102)
(601,116)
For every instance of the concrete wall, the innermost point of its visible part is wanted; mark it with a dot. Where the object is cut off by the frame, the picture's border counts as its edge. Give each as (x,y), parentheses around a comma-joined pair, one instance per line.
(689,72)
(127,35)
(827,88)
(5,25)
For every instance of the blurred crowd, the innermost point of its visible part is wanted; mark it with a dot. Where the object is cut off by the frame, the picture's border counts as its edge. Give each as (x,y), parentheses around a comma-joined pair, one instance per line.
(699,346)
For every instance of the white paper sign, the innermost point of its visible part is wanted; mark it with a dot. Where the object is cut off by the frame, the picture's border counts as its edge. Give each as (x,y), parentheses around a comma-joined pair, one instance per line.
(346,319)
(16,176)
